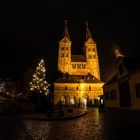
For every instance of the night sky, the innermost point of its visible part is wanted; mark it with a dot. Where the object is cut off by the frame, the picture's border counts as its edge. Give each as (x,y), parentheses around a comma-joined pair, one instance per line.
(31,31)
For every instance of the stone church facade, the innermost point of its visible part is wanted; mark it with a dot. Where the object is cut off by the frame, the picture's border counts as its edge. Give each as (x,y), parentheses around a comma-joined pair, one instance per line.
(79,83)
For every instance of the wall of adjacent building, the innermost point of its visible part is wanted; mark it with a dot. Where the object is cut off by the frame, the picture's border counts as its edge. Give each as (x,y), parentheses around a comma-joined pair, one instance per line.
(135,101)
(112,103)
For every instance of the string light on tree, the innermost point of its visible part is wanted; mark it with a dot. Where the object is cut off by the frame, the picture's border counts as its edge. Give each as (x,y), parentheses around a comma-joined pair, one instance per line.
(38,83)
(2,87)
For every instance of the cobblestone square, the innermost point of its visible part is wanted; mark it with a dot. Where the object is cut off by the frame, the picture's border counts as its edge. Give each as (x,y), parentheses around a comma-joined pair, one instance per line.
(95,125)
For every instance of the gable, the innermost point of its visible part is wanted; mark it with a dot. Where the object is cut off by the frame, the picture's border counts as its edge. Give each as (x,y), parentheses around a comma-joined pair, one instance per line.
(65,39)
(90,41)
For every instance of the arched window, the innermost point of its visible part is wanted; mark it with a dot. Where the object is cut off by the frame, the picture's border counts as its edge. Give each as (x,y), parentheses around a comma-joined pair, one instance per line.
(89,87)
(62,55)
(89,49)
(93,49)
(74,66)
(77,88)
(72,100)
(63,100)
(67,55)
(84,102)
(62,48)
(94,56)
(65,87)
(89,57)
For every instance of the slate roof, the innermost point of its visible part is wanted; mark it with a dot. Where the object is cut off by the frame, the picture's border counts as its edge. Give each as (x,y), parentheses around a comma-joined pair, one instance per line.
(131,64)
(65,78)
(113,79)
(78,58)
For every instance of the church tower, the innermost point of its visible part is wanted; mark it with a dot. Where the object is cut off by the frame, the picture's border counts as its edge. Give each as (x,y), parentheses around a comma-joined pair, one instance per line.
(91,54)
(64,53)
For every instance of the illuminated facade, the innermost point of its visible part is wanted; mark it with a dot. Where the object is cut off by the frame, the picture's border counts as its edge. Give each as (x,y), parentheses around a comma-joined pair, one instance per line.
(80,81)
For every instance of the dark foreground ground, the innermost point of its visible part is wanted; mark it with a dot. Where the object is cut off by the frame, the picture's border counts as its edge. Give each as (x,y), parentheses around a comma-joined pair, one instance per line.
(96,125)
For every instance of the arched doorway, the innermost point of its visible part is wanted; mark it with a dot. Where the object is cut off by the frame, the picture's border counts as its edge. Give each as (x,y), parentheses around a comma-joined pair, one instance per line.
(63,100)
(83,102)
(72,100)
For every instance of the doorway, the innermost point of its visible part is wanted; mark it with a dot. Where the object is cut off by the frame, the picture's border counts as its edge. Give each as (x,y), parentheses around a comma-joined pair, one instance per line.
(84,102)
(125,100)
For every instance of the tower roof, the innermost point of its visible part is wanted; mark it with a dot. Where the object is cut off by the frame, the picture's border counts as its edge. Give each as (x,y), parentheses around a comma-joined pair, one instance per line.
(88,33)
(66,32)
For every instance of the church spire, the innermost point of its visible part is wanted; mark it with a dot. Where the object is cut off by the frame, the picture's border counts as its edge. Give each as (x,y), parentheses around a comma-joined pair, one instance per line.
(88,33)
(66,32)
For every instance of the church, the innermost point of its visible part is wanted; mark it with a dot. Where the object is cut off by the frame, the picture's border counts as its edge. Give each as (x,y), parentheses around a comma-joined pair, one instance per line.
(79,83)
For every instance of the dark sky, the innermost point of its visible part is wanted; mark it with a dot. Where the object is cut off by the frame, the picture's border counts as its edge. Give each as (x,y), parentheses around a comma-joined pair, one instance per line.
(30,31)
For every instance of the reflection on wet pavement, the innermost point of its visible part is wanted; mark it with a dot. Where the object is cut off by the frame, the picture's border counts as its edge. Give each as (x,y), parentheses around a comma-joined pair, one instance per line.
(96,125)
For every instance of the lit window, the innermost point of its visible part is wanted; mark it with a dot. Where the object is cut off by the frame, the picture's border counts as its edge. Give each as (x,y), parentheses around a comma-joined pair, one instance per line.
(74,66)
(63,100)
(137,87)
(83,66)
(79,66)
(72,100)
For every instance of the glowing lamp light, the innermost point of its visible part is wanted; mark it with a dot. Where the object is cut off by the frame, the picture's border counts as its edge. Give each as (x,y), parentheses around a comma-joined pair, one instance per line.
(102,101)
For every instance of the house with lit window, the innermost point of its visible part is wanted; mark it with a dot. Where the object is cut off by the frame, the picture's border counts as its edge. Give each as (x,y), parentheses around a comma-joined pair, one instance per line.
(79,83)
(123,89)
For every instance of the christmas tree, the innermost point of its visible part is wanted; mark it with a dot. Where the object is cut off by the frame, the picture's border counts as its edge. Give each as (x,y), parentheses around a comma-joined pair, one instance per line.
(38,83)
(2,87)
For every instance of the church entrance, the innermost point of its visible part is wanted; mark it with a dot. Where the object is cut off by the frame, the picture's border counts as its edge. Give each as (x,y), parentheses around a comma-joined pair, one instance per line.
(72,100)
(83,102)
(63,100)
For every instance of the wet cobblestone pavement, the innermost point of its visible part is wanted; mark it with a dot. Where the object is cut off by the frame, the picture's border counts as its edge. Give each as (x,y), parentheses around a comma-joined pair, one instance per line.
(96,125)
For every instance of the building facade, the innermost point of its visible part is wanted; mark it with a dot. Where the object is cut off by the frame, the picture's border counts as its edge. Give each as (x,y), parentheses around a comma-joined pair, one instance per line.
(123,89)
(80,80)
